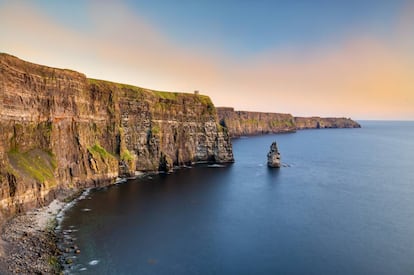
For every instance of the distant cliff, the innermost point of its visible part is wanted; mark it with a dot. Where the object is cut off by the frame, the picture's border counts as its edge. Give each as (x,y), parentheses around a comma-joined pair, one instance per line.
(61,132)
(327,122)
(243,123)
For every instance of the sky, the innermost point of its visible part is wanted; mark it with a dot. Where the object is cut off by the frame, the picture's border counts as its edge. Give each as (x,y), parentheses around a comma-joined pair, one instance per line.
(347,58)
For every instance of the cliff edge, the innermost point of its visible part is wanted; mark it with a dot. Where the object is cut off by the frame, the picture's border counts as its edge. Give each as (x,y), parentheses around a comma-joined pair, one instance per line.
(61,132)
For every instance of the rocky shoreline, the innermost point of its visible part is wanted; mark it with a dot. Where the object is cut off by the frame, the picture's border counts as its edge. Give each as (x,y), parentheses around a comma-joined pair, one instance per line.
(33,243)
(29,242)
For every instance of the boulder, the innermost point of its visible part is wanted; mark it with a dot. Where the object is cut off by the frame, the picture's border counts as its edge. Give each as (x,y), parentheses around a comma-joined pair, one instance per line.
(273,157)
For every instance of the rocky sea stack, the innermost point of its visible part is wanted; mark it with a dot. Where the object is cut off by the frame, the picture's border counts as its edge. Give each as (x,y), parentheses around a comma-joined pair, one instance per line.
(273,157)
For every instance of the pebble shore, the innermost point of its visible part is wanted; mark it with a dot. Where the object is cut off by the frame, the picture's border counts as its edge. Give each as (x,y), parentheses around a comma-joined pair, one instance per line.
(28,244)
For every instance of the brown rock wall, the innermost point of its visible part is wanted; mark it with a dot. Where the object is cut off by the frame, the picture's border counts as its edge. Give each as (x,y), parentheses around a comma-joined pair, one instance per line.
(325,122)
(61,132)
(244,123)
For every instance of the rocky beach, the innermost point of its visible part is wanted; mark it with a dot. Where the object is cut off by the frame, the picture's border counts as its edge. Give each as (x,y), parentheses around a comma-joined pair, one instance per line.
(29,242)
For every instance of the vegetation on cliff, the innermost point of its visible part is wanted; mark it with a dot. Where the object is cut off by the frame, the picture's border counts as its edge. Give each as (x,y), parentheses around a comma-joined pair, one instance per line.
(35,164)
(61,132)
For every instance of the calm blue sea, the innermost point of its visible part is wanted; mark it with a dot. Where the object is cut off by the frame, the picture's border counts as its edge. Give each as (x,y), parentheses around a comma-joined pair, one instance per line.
(343,205)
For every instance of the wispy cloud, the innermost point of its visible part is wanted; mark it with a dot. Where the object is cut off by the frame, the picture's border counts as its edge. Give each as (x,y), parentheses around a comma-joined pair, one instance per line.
(363,77)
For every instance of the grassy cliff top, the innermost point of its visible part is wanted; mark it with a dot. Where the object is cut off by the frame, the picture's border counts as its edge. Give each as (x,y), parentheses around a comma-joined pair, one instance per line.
(139,91)
(8,60)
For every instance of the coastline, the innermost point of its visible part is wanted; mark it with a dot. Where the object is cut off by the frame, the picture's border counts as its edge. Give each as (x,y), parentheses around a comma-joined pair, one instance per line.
(33,243)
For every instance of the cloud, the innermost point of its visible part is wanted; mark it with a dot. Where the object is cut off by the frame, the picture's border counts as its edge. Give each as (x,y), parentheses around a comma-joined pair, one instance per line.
(362,77)
(117,45)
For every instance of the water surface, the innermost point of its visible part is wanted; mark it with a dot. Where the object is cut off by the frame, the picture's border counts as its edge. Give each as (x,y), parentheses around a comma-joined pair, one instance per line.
(343,206)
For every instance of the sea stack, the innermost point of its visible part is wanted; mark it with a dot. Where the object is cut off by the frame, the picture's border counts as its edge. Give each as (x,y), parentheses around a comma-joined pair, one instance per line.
(273,157)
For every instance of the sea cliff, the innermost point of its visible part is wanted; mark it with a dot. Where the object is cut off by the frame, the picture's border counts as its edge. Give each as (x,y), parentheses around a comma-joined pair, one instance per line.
(325,122)
(61,132)
(245,123)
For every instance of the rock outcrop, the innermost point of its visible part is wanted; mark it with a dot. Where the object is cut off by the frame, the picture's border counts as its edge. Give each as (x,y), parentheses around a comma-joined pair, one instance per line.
(61,132)
(273,157)
(244,123)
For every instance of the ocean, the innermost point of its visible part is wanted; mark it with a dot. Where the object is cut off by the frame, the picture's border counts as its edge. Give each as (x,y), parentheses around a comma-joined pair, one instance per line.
(343,203)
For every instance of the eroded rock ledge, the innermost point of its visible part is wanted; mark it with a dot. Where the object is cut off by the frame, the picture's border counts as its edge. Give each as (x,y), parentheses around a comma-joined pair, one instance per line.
(61,132)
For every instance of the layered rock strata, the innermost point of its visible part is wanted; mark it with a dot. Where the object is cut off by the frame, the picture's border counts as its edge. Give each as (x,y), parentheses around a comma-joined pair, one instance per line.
(325,122)
(61,132)
(244,123)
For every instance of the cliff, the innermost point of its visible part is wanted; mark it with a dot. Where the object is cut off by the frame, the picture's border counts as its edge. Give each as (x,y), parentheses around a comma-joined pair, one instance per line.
(327,122)
(61,132)
(243,123)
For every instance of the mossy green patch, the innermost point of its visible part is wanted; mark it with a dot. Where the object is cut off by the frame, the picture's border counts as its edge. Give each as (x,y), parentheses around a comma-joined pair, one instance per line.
(206,101)
(166,95)
(252,121)
(281,123)
(54,263)
(275,123)
(100,83)
(37,164)
(155,129)
(108,84)
(220,128)
(126,155)
(98,151)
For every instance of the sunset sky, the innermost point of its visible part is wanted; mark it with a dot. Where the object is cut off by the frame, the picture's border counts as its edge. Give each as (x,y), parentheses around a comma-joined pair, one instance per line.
(351,58)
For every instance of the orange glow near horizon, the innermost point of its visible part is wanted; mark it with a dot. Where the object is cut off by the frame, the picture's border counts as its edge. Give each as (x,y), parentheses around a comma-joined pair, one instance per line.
(363,77)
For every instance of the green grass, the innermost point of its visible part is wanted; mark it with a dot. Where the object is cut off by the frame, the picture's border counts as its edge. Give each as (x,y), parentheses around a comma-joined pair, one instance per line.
(126,155)
(165,98)
(252,121)
(166,95)
(281,123)
(205,99)
(275,123)
(138,90)
(110,84)
(36,164)
(98,151)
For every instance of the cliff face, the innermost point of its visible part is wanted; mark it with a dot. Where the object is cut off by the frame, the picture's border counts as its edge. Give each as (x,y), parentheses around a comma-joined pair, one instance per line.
(243,123)
(325,122)
(61,132)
